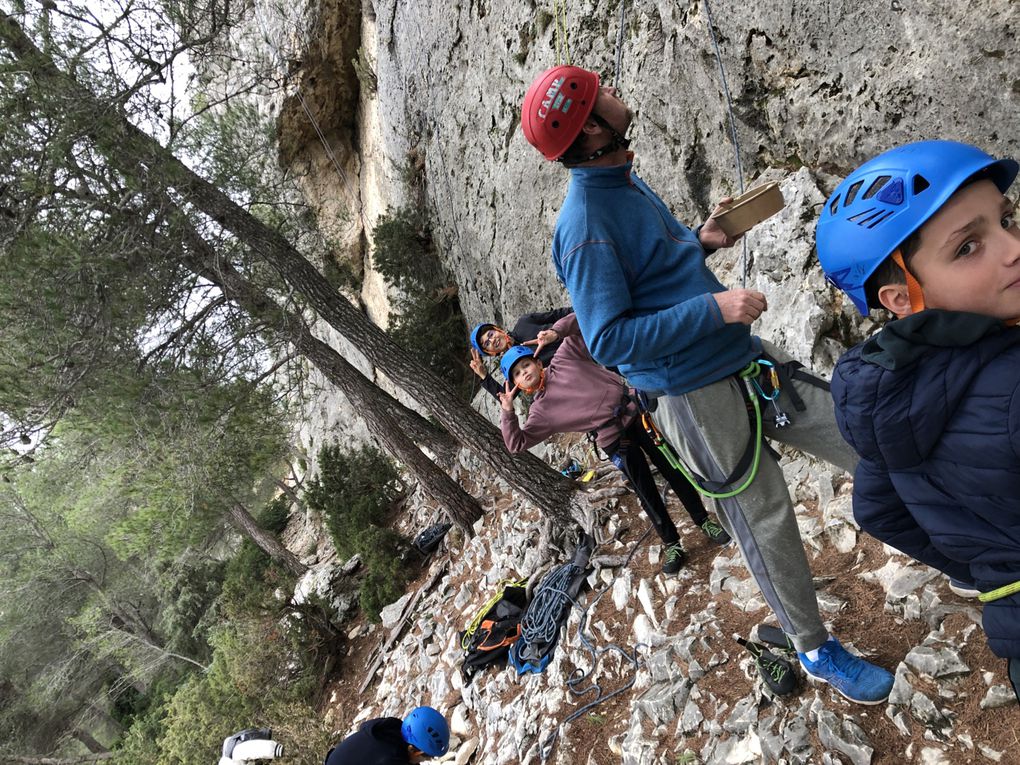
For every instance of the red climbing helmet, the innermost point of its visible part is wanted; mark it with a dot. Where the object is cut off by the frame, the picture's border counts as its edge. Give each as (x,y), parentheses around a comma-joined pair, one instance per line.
(556,106)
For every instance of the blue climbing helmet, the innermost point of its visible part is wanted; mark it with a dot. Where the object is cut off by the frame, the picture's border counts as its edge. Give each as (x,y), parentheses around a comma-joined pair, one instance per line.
(887,199)
(511,357)
(425,729)
(476,335)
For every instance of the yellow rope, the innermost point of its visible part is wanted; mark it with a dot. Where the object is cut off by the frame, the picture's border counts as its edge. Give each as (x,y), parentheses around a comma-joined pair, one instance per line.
(562,41)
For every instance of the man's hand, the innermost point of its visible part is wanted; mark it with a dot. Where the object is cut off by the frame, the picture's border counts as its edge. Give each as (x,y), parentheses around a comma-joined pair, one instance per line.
(477,365)
(711,235)
(740,306)
(506,398)
(544,338)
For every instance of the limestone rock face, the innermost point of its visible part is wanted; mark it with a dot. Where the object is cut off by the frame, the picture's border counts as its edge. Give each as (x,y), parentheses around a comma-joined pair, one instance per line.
(418,101)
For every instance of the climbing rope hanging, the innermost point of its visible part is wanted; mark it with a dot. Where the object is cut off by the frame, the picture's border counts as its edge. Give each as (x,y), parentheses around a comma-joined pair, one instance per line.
(280,64)
(562,42)
(733,129)
(619,43)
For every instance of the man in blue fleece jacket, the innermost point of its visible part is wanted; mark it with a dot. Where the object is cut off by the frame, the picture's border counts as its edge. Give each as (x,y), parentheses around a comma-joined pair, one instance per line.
(648,304)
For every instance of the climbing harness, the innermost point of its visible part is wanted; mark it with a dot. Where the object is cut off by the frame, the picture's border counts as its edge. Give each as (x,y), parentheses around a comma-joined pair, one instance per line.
(749,460)
(494,629)
(579,676)
(465,638)
(777,673)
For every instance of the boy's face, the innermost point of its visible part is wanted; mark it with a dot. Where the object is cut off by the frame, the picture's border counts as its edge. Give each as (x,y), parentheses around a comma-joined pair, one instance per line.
(494,341)
(527,373)
(969,254)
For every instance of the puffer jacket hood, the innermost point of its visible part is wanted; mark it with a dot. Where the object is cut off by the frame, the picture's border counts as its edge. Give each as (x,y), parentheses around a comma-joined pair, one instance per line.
(899,417)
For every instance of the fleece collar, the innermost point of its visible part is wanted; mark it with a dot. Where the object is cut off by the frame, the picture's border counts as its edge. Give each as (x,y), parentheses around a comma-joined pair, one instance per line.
(904,340)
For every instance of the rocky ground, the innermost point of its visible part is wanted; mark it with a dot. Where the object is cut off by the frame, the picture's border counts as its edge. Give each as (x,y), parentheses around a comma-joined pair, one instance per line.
(695,696)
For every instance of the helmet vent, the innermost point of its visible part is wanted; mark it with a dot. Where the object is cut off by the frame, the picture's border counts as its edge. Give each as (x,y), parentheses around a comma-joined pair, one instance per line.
(555,123)
(573,86)
(862,217)
(920,184)
(876,186)
(886,214)
(851,193)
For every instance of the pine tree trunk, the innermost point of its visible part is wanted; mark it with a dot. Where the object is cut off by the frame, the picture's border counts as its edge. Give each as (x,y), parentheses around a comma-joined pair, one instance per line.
(372,403)
(88,741)
(266,542)
(128,148)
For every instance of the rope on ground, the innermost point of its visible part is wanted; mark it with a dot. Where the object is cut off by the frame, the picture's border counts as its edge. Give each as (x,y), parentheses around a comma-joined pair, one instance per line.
(579,676)
(733,128)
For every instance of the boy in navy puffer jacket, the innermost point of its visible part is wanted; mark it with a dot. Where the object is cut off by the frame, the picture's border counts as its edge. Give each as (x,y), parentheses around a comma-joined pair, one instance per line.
(932,402)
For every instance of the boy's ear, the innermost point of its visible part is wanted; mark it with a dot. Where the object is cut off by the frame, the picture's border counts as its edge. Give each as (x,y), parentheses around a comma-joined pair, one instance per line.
(896,298)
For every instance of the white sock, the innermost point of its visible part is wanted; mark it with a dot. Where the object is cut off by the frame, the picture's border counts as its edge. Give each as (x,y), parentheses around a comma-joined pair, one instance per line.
(813,653)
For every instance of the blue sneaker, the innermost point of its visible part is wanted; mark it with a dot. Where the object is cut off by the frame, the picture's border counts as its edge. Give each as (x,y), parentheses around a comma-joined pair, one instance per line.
(856,679)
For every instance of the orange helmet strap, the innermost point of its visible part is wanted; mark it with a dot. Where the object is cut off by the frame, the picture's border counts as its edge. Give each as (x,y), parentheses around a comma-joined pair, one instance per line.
(914,291)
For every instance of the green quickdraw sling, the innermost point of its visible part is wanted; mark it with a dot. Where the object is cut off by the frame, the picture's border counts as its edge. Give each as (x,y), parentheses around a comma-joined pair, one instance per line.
(752,454)
(465,640)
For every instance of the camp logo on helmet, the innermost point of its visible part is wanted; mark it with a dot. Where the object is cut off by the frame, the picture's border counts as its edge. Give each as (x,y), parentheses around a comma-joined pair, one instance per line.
(553,99)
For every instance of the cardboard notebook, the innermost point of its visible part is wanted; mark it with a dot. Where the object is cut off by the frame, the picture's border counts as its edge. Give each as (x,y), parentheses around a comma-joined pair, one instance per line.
(750,209)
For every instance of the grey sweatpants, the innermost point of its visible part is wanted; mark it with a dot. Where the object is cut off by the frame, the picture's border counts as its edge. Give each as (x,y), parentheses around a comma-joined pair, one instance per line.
(709,429)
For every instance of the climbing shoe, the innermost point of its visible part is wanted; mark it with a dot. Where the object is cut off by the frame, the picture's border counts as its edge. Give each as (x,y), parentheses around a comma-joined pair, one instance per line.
(855,678)
(674,559)
(777,673)
(715,532)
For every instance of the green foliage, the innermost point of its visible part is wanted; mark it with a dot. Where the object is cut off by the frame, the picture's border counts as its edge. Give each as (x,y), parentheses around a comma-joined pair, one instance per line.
(427,321)
(256,679)
(354,491)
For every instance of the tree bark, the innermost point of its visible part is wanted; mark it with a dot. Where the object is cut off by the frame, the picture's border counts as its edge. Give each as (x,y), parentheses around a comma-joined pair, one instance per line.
(126,147)
(266,542)
(88,741)
(370,401)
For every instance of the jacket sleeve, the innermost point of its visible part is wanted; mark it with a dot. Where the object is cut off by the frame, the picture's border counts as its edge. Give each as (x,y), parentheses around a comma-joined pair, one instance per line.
(880,512)
(544,318)
(593,275)
(566,326)
(490,384)
(535,430)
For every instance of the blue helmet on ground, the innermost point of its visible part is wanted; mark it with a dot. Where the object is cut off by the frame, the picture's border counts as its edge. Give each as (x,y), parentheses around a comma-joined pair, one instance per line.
(425,729)
(476,335)
(511,357)
(887,199)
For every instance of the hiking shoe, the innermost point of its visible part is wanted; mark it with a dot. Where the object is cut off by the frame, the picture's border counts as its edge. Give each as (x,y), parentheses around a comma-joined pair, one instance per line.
(963,589)
(715,532)
(855,678)
(674,559)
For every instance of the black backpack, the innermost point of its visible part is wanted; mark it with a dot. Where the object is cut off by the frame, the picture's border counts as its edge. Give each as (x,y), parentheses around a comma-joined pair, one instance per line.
(486,642)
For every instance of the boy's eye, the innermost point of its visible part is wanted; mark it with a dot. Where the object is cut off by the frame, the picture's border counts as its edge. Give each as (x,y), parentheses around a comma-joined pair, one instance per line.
(967,248)
(1009,220)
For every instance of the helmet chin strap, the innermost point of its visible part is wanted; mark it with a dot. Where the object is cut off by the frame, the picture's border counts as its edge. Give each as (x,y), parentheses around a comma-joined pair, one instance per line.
(618,141)
(914,291)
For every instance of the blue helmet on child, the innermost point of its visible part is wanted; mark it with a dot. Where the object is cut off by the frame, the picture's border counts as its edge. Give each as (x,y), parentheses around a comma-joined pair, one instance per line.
(476,335)
(887,199)
(511,357)
(425,729)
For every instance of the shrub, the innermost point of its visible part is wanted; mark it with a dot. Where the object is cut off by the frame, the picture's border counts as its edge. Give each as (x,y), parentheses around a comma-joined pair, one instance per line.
(427,320)
(354,491)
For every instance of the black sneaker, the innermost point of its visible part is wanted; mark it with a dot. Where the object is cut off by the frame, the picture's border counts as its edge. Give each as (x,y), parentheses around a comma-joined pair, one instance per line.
(674,559)
(715,532)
